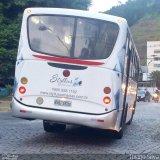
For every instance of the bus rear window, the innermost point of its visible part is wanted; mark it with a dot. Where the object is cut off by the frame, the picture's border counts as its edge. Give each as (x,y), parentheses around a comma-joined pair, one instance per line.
(72,37)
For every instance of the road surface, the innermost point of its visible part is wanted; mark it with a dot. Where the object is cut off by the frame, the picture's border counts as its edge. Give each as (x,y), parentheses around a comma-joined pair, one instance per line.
(19,136)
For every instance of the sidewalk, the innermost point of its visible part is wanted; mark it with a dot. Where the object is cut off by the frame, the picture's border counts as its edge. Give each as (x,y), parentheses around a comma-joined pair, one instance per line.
(5,106)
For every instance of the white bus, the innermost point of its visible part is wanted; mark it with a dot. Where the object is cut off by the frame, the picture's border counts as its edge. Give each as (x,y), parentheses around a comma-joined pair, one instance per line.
(75,67)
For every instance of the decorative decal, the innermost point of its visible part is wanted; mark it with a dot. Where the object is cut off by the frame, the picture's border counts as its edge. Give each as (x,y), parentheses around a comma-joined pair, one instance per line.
(117,97)
(65,81)
(68,60)
(15,85)
(119,64)
(77,82)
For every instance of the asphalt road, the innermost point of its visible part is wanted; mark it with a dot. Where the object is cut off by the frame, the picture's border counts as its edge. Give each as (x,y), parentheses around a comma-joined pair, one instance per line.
(19,136)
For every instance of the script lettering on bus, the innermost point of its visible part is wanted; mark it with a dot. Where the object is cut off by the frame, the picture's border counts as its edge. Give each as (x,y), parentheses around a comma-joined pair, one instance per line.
(61,81)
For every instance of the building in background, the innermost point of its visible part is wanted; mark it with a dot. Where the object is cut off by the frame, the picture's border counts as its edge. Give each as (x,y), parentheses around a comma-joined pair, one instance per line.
(153,56)
(144,73)
(153,64)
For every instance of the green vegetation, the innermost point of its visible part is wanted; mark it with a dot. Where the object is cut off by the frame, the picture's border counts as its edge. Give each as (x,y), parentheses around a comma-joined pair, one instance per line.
(155,76)
(10,23)
(147,29)
(134,10)
(144,18)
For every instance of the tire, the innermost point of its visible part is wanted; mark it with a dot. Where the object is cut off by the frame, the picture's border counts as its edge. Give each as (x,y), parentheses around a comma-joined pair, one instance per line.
(130,121)
(119,134)
(53,127)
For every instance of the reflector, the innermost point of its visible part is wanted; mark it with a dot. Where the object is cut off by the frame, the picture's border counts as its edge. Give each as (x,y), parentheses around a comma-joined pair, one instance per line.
(100,120)
(39,100)
(22,110)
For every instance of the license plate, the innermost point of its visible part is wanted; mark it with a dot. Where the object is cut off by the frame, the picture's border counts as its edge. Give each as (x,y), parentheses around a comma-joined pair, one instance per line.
(58,102)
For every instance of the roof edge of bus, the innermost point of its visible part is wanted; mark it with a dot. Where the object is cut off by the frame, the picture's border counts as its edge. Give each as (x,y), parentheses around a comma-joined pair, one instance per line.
(77,12)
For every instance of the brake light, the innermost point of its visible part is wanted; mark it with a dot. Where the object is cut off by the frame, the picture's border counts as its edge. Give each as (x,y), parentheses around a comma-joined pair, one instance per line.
(106,100)
(66,73)
(22,90)
(107,90)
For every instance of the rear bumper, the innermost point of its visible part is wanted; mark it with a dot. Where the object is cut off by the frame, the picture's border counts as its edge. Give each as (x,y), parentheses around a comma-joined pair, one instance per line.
(104,121)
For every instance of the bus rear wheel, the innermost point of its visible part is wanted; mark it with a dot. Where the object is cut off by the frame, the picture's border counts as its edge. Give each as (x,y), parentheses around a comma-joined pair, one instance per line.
(53,127)
(118,134)
(130,121)
(133,111)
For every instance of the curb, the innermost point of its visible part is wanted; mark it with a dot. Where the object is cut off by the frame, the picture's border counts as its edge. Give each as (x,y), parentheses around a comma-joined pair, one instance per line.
(5,106)
(5,110)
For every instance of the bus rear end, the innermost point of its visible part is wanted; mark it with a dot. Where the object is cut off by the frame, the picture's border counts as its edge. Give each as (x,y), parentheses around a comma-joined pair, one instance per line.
(62,74)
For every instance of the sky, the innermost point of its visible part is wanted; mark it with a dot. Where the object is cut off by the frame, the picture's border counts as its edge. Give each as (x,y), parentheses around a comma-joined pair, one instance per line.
(103,5)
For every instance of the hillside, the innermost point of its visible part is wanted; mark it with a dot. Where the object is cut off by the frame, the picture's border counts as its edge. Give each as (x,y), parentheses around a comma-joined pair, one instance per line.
(143,16)
(146,29)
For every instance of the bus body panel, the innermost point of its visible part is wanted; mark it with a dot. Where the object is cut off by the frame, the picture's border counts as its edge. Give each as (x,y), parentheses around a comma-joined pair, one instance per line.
(104,121)
(84,89)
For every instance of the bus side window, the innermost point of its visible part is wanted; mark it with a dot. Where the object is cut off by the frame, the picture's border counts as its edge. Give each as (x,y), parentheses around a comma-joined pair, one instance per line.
(137,69)
(131,63)
(126,56)
(134,65)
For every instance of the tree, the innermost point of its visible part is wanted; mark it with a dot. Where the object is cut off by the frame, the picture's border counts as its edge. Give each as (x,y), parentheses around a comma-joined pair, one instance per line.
(134,10)
(155,76)
(10,19)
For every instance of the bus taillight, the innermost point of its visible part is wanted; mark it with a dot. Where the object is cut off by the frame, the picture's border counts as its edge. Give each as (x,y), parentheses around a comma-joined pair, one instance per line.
(107,90)
(106,100)
(22,90)
(66,73)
